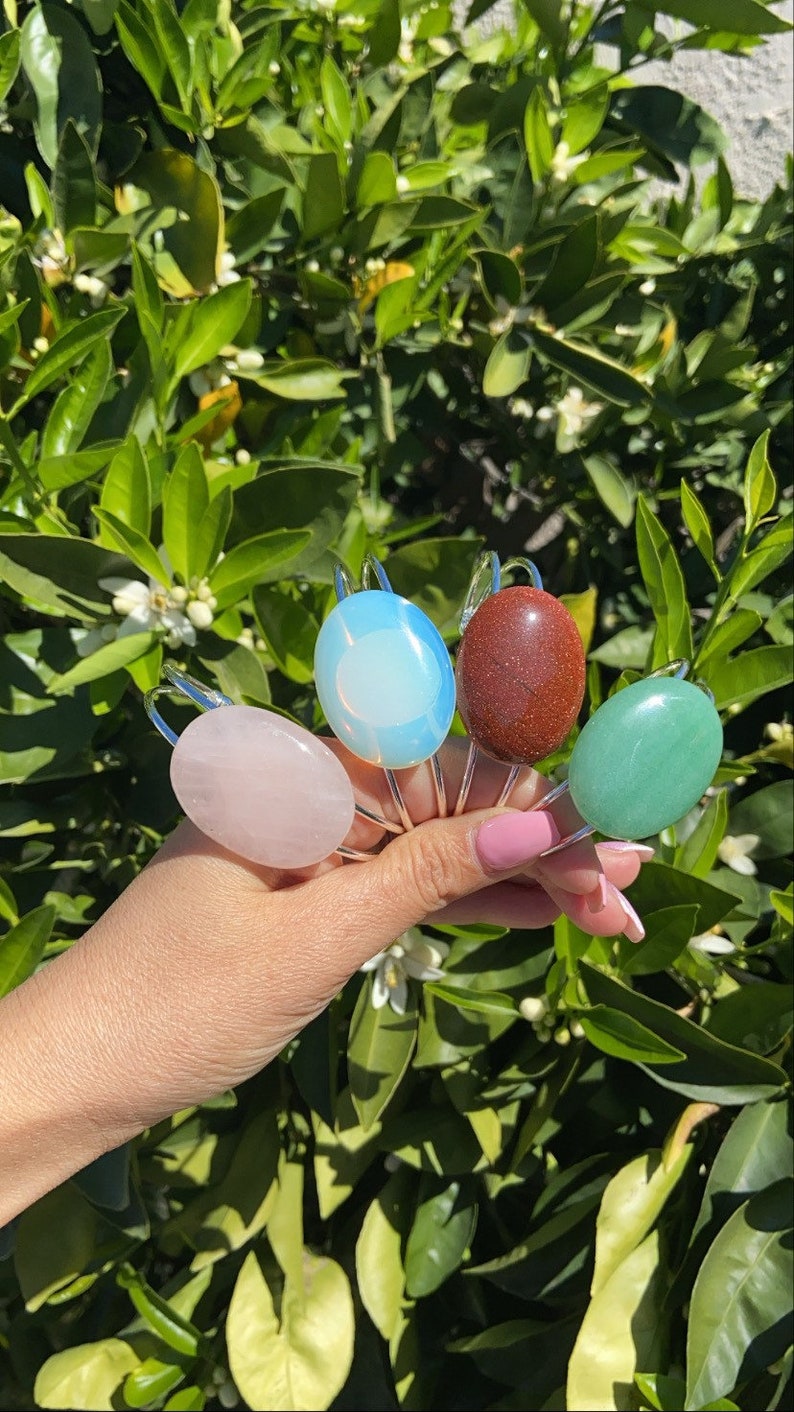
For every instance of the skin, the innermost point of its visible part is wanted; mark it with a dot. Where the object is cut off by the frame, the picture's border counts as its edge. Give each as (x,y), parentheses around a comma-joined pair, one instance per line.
(205,966)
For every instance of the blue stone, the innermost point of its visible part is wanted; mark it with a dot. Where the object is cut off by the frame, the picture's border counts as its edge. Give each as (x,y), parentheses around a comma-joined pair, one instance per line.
(384,679)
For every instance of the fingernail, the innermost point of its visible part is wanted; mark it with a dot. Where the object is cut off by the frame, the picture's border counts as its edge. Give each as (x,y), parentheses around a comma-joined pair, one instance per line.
(643,852)
(512,839)
(633,929)
(599,897)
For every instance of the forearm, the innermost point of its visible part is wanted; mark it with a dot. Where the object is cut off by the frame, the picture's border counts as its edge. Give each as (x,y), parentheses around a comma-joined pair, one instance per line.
(54,1072)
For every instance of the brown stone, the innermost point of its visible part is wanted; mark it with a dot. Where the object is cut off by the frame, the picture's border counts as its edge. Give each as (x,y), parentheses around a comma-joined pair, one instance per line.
(520,675)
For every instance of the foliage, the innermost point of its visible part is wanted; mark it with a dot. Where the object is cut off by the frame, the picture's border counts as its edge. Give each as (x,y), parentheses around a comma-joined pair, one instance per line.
(282,285)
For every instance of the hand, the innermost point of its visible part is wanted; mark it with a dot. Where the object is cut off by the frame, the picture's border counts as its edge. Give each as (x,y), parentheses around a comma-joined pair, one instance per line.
(206,965)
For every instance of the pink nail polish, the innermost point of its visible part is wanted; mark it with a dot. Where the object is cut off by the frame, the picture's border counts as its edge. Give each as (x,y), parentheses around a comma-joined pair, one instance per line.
(633,929)
(643,852)
(510,840)
(599,897)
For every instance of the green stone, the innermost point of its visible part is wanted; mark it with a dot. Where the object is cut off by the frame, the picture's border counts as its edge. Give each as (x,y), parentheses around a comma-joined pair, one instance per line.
(645,757)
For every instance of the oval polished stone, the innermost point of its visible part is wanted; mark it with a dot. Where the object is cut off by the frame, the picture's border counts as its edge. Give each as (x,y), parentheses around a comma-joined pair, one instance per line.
(645,757)
(384,679)
(520,674)
(262,786)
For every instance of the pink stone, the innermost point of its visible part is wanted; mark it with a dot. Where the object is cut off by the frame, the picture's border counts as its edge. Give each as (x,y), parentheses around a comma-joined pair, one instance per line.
(262,787)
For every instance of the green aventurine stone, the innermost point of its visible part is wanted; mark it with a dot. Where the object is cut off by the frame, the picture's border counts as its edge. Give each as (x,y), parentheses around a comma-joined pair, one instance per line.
(646,757)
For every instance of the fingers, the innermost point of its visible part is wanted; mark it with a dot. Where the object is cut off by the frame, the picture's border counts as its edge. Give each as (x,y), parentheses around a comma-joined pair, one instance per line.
(353,912)
(508,904)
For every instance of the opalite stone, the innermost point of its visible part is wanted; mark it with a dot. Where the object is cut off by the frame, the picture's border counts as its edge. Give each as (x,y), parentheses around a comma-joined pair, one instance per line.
(645,757)
(384,679)
(262,787)
(520,674)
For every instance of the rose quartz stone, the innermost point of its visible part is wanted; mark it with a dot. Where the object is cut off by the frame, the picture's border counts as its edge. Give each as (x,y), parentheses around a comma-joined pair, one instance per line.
(262,787)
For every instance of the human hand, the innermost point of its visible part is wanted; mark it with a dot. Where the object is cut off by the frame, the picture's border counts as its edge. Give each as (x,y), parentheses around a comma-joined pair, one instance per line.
(207,965)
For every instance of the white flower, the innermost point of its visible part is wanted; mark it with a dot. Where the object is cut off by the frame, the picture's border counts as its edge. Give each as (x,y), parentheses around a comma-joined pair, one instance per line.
(147,608)
(562,163)
(227,274)
(712,943)
(735,850)
(94,638)
(200,614)
(533,1008)
(574,412)
(402,184)
(94,287)
(412,956)
(648,286)
(520,407)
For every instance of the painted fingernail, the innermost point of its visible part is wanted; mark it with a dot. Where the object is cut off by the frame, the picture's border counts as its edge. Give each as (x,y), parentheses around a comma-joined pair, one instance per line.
(512,839)
(643,852)
(633,929)
(599,897)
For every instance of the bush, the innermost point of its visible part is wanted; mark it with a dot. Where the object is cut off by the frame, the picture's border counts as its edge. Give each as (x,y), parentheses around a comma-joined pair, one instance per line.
(281,286)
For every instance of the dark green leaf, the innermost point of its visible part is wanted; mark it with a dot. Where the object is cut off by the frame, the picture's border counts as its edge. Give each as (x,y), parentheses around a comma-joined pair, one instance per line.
(323,197)
(753,674)
(711,1071)
(22,947)
(253,562)
(59,62)
(73,181)
(105,660)
(740,1307)
(441,1233)
(626,1038)
(77,403)
(134,544)
(768,814)
(666,934)
(508,364)
(664,580)
(378,1053)
(72,345)
(605,377)
(67,581)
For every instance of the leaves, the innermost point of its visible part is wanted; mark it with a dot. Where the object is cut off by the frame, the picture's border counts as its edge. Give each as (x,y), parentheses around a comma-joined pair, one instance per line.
(21,948)
(661,572)
(379,1051)
(735,1323)
(302,1358)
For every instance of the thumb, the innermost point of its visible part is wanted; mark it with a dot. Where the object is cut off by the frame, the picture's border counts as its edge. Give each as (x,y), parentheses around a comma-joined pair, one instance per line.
(366,905)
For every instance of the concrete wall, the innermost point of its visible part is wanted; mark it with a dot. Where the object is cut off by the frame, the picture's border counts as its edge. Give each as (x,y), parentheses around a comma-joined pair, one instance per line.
(751,98)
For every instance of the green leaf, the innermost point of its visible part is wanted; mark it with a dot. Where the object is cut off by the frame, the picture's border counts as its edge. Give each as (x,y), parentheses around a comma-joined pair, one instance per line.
(342,1154)
(141,47)
(620,1332)
(760,487)
(711,1070)
(126,490)
(378,1053)
(163,1320)
(756,1151)
(168,191)
(211,532)
(730,634)
(251,225)
(612,487)
(72,345)
(290,631)
(105,660)
(697,522)
(435,574)
(572,266)
(757,1017)
(669,123)
(152,1380)
(441,1233)
(302,379)
(301,1357)
(630,1207)
(731,17)
(753,674)
(59,63)
(623,1037)
(77,403)
(174,46)
(336,98)
(9,60)
(508,364)
(738,1315)
(664,580)
(385,34)
(484,1002)
(45,1266)
(753,568)
(185,502)
(547,15)
(207,325)
(698,854)
(323,196)
(768,814)
(22,947)
(379,1265)
(67,581)
(74,182)
(584,117)
(135,545)
(253,562)
(538,135)
(85,1375)
(604,376)
(377,183)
